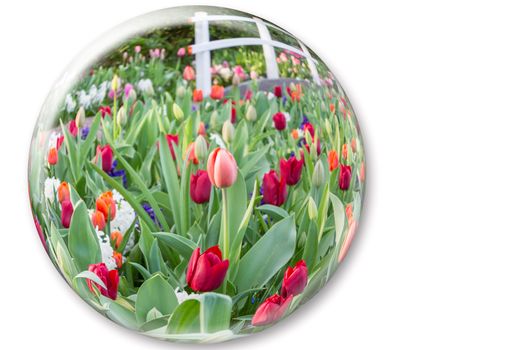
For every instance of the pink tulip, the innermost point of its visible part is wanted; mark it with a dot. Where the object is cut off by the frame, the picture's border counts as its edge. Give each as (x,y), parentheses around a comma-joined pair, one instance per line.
(271,310)
(109,278)
(222,168)
(67,213)
(188,73)
(181,52)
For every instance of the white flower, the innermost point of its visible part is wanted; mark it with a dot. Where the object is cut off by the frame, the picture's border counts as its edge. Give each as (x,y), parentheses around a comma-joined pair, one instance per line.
(287,117)
(70,103)
(50,188)
(270,95)
(106,251)
(124,218)
(53,139)
(182,295)
(145,86)
(218,140)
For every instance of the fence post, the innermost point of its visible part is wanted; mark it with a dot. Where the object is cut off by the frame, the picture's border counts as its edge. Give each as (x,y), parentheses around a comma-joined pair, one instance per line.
(311,64)
(272,70)
(202,59)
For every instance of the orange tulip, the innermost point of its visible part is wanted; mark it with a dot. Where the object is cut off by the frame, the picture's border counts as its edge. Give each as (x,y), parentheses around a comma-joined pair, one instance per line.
(362,172)
(333,161)
(197,95)
(190,154)
(106,205)
(344,152)
(97,218)
(202,129)
(222,168)
(63,192)
(118,259)
(217,92)
(295,134)
(353,145)
(116,238)
(52,156)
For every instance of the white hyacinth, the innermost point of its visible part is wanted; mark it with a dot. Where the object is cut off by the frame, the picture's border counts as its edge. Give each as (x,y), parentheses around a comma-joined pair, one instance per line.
(70,103)
(124,218)
(50,188)
(106,251)
(182,295)
(145,86)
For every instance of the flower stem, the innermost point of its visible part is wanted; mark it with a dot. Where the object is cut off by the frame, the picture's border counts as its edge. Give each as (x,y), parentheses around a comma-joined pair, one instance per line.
(225,226)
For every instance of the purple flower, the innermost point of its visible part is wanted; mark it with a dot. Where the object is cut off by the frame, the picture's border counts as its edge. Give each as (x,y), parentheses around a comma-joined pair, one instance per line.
(118,173)
(84,132)
(151,213)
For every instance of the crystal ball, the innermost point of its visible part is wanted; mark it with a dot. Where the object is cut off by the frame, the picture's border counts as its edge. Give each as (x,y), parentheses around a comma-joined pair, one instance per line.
(197,174)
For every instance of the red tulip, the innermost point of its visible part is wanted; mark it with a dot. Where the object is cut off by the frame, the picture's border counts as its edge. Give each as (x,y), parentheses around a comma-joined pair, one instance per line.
(295,279)
(188,73)
(273,188)
(106,205)
(271,310)
(278,91)
(67,213)
(52,156)
(104,111)
(345,174)
(217,92)
(206,271)
(222,168)
(106,153)
(171,140)
(333,161)
(291,170)
(233,118)
(98,220)
(197,95)
(73,129)
(310,128)
(60,140)
(200,187)
(110,279)
(202,129)
(279,121)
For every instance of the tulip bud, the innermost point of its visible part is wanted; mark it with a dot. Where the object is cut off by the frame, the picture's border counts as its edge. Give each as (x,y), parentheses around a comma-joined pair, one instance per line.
(177,112)
(67,213)
(201,148)
(271,310)
(295,279)
(328,126)
(312,209)
(200,187)
(318,177)
(228,131)
(236,80)
(206,271)
(52,156)
(122,117)
(345,175)
(114,83)
(132,96)
(181,91)
(222,168)
(251,113)
(80,118)
(213,119)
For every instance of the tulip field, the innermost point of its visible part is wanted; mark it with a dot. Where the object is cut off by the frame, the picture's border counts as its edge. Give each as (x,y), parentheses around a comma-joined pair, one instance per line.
(194,217)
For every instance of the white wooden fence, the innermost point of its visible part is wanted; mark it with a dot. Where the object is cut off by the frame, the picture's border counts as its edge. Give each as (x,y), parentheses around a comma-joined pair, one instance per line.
(203,47)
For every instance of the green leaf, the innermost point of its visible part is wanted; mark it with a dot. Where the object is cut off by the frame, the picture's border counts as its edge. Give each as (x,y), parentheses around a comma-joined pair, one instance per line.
(155,293)
(185,318)
(90,139)
(181,245)
(267,256)
(273,211)
(91,276)
(82,242)
(339,216)
(171,178)
(235,200)
(215,312)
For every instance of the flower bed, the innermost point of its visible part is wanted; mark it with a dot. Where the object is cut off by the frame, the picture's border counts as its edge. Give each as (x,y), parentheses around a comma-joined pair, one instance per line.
(196,218)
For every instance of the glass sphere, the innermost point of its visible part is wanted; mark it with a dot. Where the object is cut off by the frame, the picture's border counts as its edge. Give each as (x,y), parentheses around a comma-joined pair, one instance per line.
(197,174)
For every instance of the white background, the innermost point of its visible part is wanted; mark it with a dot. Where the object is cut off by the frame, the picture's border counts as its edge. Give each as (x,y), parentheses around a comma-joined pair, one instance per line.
(439,89)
